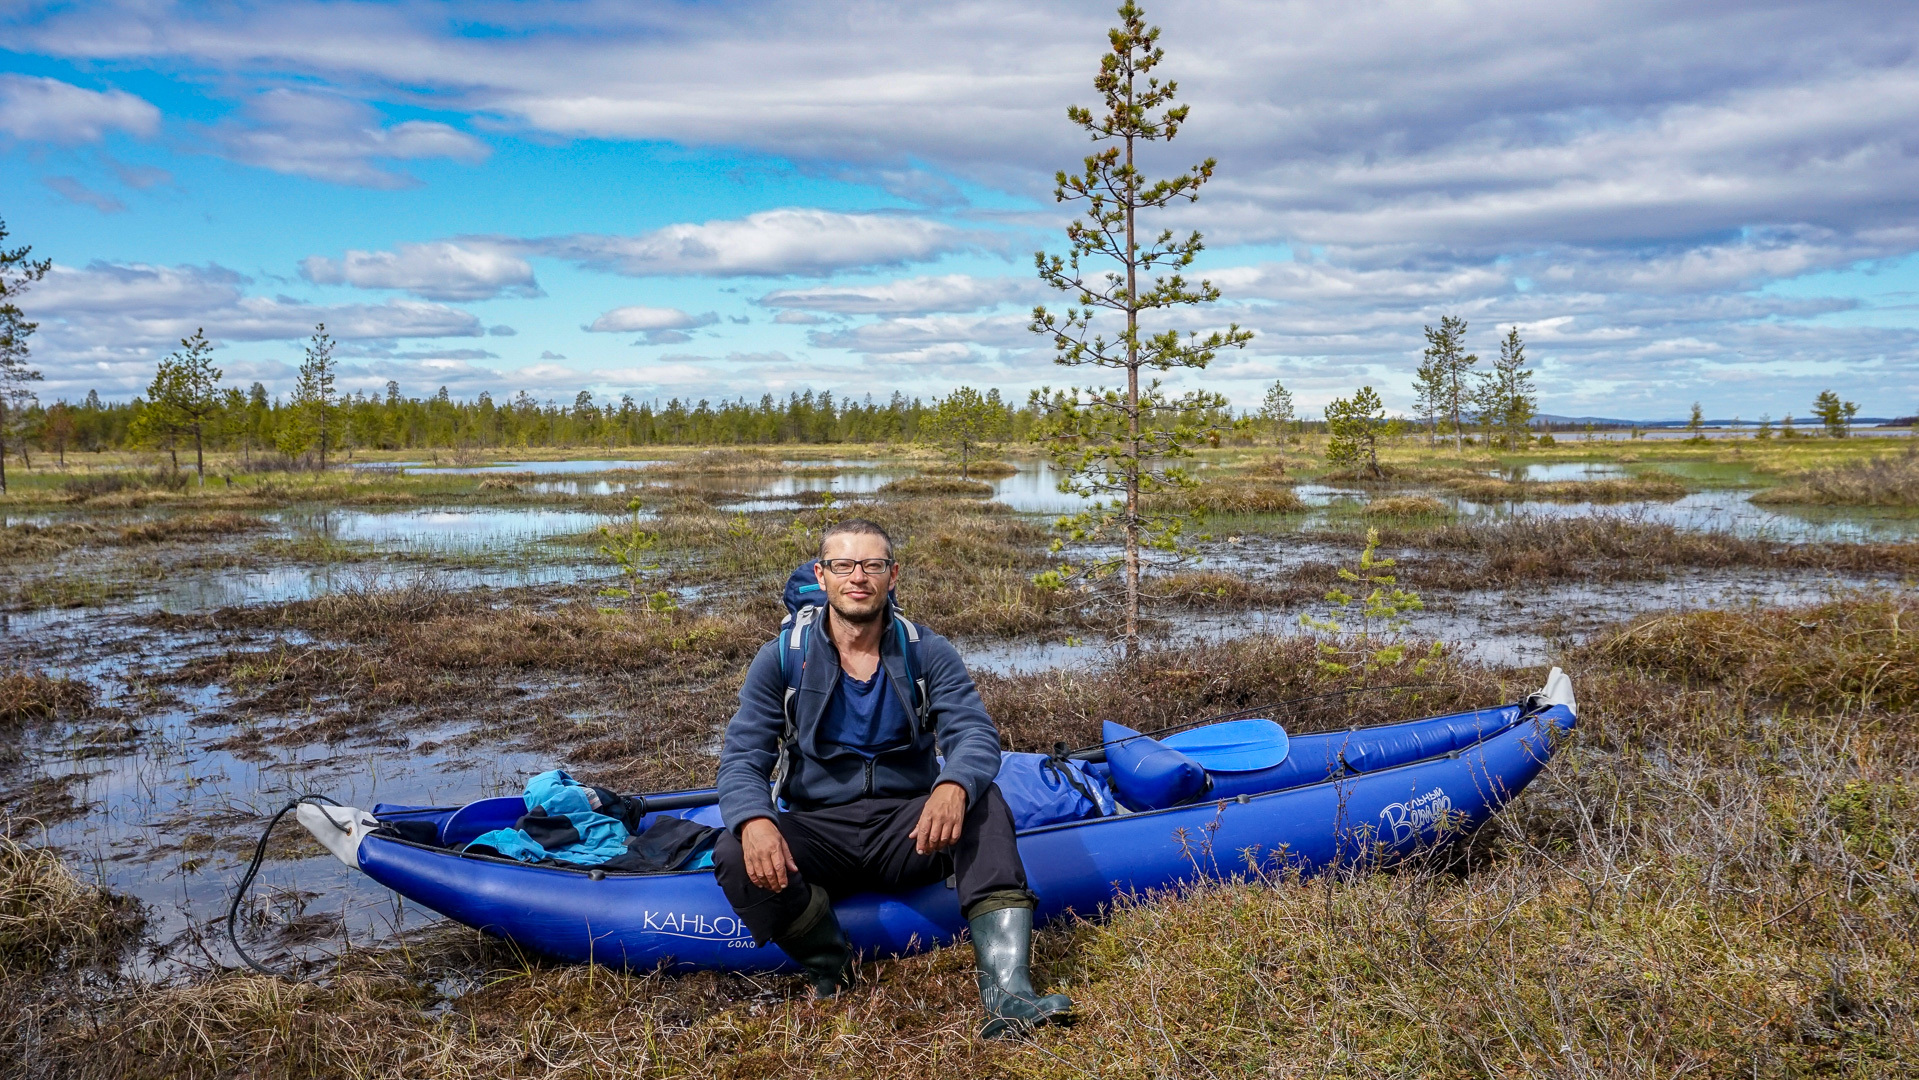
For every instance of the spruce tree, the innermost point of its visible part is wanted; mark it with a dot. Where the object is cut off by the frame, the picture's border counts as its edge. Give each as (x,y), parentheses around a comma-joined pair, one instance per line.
(1509,400)
(183,397)
(1277,408)
(1120,444)
(313,394)
(1450,367)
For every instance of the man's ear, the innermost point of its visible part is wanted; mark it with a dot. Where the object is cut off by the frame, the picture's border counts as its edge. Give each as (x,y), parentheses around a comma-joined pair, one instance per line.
(819,574)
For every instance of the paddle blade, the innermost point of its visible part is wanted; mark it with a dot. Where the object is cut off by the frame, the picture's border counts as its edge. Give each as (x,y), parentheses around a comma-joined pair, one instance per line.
(1234,746)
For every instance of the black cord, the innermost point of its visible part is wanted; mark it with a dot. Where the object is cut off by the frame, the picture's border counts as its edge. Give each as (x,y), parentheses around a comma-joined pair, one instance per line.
(253,870)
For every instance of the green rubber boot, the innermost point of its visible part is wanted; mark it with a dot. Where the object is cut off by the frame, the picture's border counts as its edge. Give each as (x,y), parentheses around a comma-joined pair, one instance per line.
(1003,948)
(816,943)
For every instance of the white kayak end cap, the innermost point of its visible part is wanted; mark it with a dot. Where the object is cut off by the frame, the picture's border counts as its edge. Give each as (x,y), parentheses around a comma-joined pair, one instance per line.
(1558,691)
(339,828)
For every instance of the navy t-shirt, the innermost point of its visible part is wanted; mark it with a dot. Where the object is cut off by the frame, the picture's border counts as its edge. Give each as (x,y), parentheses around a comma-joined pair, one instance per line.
(866,717)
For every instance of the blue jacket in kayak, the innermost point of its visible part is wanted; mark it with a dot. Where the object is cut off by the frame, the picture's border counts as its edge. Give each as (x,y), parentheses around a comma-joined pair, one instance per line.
(823,774)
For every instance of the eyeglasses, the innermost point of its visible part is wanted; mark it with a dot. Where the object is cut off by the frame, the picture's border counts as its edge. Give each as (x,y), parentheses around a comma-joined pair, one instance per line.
(843,567)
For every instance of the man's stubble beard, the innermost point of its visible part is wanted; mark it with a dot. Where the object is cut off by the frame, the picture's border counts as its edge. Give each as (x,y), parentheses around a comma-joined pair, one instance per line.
(858,618)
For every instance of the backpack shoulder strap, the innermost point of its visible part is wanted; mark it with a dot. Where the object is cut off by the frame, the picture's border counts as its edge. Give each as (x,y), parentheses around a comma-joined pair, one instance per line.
(794,640)
(909,635)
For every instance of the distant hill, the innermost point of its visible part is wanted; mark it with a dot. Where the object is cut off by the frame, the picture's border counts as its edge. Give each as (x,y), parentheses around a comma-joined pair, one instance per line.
(1744,421)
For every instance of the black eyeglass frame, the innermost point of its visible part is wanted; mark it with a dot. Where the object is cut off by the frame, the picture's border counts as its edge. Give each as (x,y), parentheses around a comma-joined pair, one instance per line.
(885,566)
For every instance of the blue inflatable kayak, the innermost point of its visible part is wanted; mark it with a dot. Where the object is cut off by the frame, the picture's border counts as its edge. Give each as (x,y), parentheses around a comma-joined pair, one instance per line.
(1365,793)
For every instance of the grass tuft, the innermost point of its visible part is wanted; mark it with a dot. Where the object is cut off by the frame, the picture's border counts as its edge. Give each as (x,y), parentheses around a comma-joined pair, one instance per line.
(1230,497)
(30,695)
(1647,487)
(991,469)
(1406,506)
(50,919)
(947,486)
(1857,651)
(1880,481)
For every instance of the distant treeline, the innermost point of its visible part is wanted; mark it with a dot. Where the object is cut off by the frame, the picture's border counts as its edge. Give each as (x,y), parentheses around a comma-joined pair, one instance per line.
(252,421)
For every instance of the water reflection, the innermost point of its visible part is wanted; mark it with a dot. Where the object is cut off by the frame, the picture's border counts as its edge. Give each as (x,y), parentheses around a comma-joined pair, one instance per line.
(533,467)
(1724,510)
(1559,472)
(441,528)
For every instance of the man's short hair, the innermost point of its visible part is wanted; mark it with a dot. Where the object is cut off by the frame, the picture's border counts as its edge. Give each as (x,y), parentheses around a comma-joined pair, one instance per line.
(856,527)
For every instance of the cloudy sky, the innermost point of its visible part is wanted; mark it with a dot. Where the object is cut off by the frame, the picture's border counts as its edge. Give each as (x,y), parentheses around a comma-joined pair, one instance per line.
(1713,200)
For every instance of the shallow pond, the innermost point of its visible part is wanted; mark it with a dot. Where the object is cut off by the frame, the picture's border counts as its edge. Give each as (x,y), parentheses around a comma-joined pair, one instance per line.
(1722,510)
(452,529)
(173,823)
(537,468)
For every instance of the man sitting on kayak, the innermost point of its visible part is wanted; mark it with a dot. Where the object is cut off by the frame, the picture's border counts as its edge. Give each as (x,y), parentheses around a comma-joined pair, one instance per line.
(868,805)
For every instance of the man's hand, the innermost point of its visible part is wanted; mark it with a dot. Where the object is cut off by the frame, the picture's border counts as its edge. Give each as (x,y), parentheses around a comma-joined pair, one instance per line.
(768,859)
(940,820)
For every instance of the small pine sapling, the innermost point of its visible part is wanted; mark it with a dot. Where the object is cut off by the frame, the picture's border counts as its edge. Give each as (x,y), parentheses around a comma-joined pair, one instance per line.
(1381,616)
(630,550)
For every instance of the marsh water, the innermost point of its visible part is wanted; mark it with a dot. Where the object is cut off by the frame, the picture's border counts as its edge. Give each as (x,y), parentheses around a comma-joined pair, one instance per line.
(164,798)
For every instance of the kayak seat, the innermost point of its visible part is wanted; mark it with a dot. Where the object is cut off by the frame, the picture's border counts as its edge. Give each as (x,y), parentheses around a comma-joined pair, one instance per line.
(1147,774)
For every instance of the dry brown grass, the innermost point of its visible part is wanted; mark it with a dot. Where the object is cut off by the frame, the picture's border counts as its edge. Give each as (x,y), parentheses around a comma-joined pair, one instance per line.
(1703,883)
(1170,686)
(1220,590)
(1406,506)
(188,527)
(49,918)
(948,486)
(29,541)
(1646,487)
(31,695)
(1881,481)
(1857,651)
(990,469)
(1230,497)
(1527,548)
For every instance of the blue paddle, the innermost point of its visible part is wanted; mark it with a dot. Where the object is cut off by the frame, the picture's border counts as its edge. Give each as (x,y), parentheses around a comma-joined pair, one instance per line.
(1233,746)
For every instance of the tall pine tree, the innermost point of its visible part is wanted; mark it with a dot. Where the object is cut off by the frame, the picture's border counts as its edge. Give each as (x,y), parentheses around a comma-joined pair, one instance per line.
(1120,444)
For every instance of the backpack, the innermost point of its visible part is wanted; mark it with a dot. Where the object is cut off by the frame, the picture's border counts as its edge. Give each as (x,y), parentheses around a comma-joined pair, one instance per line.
(805,598)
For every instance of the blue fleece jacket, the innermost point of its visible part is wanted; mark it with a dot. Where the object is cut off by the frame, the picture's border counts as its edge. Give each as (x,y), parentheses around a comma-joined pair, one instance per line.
(824,774)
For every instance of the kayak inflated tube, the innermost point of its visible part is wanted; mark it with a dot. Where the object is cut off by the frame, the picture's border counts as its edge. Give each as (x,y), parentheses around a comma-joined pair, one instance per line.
(1148,774)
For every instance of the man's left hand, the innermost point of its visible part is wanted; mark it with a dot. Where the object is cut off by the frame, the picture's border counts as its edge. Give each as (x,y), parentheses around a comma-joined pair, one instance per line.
(940,820)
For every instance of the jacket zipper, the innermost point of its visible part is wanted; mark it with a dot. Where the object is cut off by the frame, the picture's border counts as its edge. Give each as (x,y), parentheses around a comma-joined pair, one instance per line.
(869,776)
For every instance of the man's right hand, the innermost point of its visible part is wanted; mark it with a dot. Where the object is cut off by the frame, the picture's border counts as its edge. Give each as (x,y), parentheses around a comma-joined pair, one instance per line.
(768,859)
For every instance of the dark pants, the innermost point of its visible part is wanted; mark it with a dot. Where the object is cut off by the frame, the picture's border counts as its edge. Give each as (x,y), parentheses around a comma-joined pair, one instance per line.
(867,846)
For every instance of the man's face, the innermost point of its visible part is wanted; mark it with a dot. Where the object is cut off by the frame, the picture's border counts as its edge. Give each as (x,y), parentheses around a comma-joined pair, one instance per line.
(858,597)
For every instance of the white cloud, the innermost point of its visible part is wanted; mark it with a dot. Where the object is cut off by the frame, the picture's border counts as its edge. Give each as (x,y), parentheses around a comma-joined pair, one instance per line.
(656,326)
(436,271)
(908,296)
(102,326)
(1620,180)
(48,110)
(945,338)
(623,320)
(1333,122)
(771,243)
(332,138)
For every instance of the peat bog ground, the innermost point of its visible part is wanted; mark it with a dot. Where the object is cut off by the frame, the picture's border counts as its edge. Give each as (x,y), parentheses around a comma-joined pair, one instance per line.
(1716,877)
